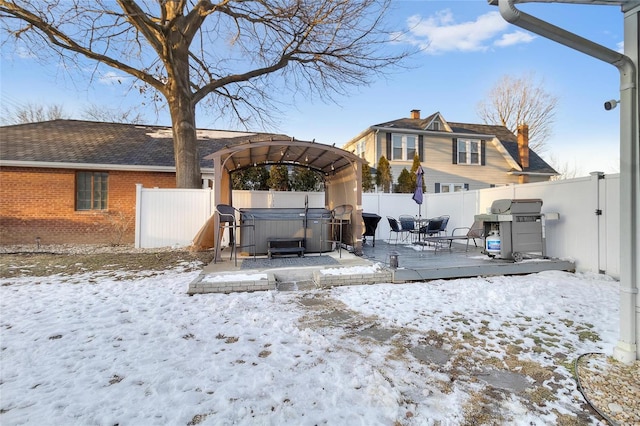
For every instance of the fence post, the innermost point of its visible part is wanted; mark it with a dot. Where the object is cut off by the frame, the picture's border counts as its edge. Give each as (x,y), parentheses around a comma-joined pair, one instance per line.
(138,210)
(601,251)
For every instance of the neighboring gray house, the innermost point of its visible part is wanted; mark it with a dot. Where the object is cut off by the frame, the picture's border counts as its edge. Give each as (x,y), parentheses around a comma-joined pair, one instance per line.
(454,156)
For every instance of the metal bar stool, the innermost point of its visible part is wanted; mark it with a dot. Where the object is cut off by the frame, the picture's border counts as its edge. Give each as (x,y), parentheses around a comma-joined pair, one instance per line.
(236,222)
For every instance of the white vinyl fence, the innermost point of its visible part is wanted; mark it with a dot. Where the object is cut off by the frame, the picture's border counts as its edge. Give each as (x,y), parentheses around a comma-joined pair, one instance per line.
(172,217)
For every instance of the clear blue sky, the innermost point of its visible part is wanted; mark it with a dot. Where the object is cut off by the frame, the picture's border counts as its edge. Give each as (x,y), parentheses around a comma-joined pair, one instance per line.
(470,47)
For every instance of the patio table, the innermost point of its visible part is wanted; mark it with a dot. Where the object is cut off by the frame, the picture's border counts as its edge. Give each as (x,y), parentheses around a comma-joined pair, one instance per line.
(420,222)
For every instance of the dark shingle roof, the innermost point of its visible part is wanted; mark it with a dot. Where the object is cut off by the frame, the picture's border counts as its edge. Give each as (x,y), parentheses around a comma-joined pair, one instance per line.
(87,142)
(508,139)
(408,123)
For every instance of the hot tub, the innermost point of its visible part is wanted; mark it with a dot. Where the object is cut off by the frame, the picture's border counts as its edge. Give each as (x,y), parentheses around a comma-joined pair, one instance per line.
(289,223)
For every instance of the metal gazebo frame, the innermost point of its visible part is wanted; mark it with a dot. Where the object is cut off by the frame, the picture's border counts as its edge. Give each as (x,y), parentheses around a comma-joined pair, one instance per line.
(342,171)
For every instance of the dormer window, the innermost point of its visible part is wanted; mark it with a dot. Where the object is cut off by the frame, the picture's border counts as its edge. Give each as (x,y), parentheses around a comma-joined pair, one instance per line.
(435,125)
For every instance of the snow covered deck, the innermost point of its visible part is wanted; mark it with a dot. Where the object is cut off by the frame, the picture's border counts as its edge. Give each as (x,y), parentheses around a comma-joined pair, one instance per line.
(329,269)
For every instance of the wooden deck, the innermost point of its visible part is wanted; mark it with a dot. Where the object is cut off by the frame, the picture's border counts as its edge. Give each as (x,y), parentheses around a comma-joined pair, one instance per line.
(416,263)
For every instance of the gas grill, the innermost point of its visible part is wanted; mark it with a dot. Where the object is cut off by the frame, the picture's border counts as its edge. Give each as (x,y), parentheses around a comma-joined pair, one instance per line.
(515,228)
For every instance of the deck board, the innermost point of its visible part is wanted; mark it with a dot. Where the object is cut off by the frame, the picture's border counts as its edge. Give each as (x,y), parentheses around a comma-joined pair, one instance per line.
(429,264)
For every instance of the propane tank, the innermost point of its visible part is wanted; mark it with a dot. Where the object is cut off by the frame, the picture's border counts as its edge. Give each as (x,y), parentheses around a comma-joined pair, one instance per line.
(493,243)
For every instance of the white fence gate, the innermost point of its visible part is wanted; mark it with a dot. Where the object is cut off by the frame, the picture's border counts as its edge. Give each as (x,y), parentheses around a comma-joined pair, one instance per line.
(170,217)
(587,232)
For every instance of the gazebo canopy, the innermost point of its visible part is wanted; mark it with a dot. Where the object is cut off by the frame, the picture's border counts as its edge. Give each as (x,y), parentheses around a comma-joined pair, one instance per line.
(342,171)
(323,158)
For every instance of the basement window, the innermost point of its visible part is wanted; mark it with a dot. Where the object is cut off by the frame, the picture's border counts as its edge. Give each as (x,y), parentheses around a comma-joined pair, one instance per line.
(453,187)
(91,190)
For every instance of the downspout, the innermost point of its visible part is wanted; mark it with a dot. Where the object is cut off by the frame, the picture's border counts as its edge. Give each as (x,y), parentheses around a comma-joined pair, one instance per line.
(627,349)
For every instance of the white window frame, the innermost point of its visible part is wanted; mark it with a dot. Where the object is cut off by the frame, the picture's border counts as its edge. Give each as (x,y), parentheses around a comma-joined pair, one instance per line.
(401,142)
(361,148)
(468,145)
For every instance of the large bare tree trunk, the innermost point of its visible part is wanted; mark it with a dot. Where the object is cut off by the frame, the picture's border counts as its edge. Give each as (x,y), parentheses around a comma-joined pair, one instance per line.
(185,142)
(182,109)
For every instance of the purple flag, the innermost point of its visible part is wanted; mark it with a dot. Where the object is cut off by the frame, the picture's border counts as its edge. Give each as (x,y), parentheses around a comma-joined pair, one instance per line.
(417,195)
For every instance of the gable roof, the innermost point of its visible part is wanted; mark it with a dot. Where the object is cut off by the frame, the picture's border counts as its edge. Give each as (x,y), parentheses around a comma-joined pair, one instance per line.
(508,140)
(510,143)
(84,144)
(409,123)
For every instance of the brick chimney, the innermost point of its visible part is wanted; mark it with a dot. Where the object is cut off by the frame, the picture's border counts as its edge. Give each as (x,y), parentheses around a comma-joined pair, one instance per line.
(523,145)
(523,150)
(415,114)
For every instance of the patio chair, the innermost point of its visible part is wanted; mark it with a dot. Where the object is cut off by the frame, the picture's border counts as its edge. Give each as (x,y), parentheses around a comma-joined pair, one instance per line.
(235,222)
(395,228)
(407,225)
(341,218)
(476,231)
(443,226)
(431,229)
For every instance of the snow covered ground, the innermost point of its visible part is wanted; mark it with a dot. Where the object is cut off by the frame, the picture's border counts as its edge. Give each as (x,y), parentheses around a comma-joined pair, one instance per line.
(103,349)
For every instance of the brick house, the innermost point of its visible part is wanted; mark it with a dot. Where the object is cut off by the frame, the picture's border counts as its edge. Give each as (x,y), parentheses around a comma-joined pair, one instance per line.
(71,181)
(454,156)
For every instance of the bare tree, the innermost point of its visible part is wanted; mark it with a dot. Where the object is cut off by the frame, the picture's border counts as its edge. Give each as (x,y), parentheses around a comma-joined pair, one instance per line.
(31,113)
(521,100)
(111,115)
(238,54)
(565,169)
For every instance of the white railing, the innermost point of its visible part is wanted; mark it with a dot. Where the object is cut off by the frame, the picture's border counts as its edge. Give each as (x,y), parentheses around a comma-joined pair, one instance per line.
(172,217)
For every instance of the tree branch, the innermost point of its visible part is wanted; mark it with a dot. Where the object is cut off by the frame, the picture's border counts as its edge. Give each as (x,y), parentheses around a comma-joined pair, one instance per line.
(63,41)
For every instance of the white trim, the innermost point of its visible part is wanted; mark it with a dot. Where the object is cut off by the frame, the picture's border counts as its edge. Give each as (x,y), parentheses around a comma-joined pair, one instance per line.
(502,150)
(404,146)
(444,125)
(468,151)
(441,133)
(520,173)
(91,166)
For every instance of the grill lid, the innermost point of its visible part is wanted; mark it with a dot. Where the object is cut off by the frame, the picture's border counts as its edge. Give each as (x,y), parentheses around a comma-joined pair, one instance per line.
(515,206)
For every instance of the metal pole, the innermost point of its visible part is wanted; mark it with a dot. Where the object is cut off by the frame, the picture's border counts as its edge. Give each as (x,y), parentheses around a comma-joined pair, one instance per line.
(627,348)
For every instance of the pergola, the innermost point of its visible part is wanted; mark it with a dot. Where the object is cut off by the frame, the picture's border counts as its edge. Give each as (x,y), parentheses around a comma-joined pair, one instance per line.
(341,169)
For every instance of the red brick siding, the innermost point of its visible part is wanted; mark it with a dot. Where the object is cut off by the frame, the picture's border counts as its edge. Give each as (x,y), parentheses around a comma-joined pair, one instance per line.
(41,203)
